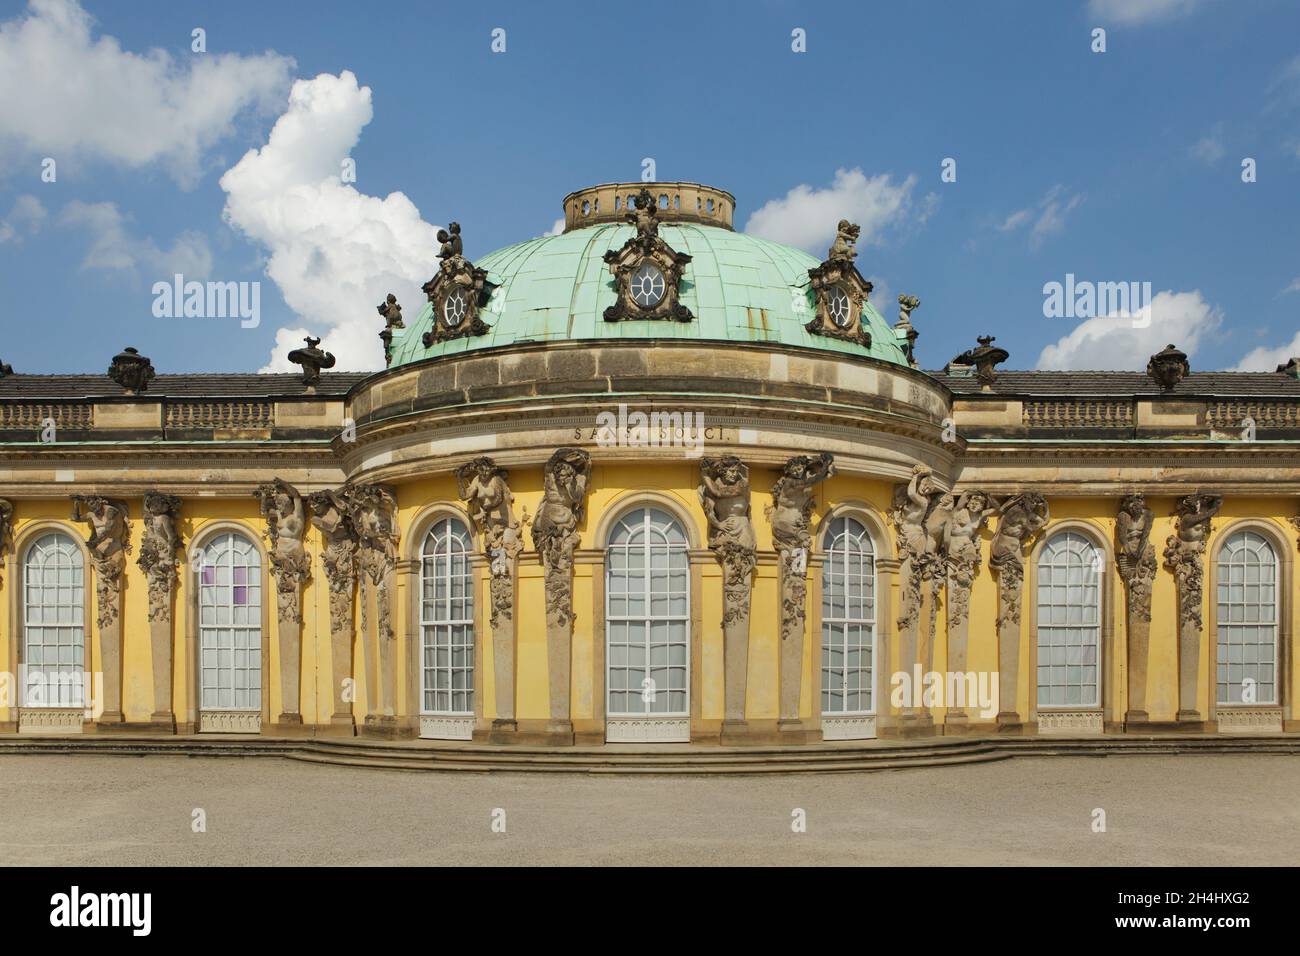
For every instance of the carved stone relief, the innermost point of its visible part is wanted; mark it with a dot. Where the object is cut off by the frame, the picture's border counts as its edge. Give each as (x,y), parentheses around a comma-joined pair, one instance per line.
(790,514)
(6,531)
(840,292)
(158,552)
(555,529)
(456,292)
(109,545)
(647,271)
(485,490)
(1184,555)
(1135,559)
(724,495)
(286,523)
(1021,517)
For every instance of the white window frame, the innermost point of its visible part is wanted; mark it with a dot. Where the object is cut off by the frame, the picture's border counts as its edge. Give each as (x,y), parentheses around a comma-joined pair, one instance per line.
(1240,541)
(651,518)
(447,540)
(220,543)
(867,550)
(69,616)
(1073,544)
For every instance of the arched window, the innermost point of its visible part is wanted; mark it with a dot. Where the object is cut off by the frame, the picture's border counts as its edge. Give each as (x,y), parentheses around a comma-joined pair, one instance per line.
(447,621)
(230,625)
(647,614)
(1069,622)
(54,626)
(848,619)
(1247,613)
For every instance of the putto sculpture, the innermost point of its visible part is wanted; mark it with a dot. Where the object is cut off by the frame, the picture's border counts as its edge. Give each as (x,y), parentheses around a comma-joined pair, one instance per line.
(903,328)
(791,516)
(392,315)
(457,291)
(286,522)
(131,370)
(158,551)
(647,271)
(312,359)
(839,291)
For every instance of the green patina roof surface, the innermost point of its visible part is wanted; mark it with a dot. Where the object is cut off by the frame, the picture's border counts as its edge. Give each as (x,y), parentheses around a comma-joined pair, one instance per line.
(738,288)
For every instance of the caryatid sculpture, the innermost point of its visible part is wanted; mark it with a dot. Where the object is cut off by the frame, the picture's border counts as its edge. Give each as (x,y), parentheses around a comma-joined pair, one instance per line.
(1020,517)
(555,529)
(331,515)
(724,495)
(919,515)
(790,515)
(485,490)
(1184,555)
(158,551)
(6,529)
(286,523)
(109,544)
(486,493)
(555,536)
(1135,559)
(966,517)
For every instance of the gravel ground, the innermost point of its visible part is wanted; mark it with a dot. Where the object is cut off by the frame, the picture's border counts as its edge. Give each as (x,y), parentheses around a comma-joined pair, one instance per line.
(1160,810)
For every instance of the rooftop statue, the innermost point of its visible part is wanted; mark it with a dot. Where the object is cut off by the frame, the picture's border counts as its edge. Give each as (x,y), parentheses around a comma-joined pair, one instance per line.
(392,312)
(452,246)
(131,370)
(645,217)
(312,360)
(843,249)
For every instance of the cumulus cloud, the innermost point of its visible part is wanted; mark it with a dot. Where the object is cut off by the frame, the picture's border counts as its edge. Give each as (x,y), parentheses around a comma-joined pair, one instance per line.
(1135,12)
(1048,215)
(333,251)
(806,217)
(74,94)
(1113,343)
(114,248)
(1265,359)
(24,219)
(556,228)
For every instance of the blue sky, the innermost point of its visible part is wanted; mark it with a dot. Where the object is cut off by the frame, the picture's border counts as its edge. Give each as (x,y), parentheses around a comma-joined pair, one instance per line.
(1115,166)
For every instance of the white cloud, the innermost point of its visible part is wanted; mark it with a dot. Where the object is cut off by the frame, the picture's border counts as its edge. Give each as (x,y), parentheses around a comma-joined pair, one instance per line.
(806,217)
(1112,342)
(71,94)
(555,229)
(1048,215)
(1141,11)
(1209,149)
(1293,287)
(113,248)
(26,217)
(1264,359)
(334,251)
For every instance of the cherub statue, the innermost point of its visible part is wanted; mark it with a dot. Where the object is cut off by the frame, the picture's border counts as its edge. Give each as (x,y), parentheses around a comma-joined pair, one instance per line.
(843,248)
(392,312)
(452,247)
(646,216)
(907,304)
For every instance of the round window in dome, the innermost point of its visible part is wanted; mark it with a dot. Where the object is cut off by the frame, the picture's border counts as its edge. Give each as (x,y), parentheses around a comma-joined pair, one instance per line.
(454,308)
(840,308)
(647,285)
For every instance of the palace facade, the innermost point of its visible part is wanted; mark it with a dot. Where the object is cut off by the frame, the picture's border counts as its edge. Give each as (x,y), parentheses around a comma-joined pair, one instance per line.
(650,480)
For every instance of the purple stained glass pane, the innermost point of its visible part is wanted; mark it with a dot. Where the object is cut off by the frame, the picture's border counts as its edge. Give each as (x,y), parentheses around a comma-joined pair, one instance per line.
(241,595)
(210,574)
(241,575)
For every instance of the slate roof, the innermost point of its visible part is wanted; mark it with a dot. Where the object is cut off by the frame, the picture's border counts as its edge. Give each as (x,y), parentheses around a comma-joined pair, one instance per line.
(196,385)
(1127,384)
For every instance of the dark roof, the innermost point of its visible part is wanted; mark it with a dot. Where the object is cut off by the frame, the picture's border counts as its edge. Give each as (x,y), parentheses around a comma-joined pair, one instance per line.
(1127,384)
(196,385)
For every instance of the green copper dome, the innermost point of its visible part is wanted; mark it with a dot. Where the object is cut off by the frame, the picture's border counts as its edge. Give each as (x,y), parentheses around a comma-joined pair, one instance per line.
(738,288)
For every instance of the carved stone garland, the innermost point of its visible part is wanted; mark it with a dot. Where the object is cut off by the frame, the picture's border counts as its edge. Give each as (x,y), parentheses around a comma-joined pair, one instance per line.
(724,495)
(331,516)
(1184,555)
(1021,516)
(286,524)
(647,271)
(109,544)
(840,292)
(1135,559)
(555,536)
(790,515)
(158,561)
(486,492)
